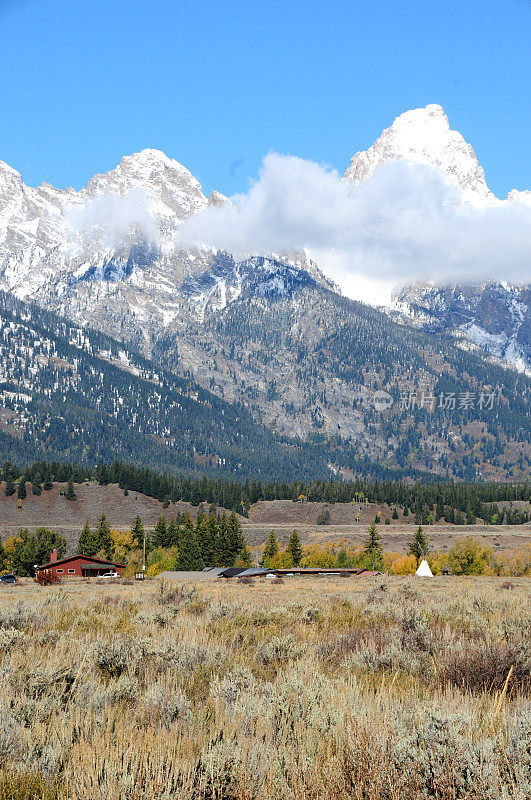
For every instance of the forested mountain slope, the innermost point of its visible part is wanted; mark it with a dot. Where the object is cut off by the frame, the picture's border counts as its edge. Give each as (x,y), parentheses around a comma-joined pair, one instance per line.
(76,394)
(308,362)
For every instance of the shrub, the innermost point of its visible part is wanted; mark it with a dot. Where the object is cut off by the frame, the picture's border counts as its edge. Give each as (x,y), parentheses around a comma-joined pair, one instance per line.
(47,578)
(486,667)
(468,557)
(115,656)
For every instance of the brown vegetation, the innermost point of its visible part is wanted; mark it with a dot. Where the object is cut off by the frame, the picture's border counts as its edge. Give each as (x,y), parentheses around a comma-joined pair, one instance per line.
(370,689)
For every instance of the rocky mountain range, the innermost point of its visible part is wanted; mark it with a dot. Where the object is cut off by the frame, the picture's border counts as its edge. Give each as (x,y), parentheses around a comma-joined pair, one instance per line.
(272,333)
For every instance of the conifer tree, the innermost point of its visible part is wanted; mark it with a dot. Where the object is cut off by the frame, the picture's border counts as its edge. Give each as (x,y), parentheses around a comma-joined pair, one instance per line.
(270,550)
(102,537)
(48,481)
(244,559)
(36,487)
(418,546)
(294,548)
(87,544)
(372,550)
(172,533)
(236,542)
(70,493)
(189,554)
(211,555)
(10,486)
(159,537)
(137,531)
(202,532)
(21,493)
(223,552)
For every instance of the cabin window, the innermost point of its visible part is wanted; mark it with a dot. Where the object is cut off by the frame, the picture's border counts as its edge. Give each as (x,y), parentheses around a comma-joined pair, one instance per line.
(72,570)
(60,570)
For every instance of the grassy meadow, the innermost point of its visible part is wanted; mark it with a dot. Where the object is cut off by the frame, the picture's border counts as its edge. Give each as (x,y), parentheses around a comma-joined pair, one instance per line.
(329,688)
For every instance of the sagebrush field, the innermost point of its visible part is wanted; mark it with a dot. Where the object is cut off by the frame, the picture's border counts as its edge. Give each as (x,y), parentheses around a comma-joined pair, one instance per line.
(330,688)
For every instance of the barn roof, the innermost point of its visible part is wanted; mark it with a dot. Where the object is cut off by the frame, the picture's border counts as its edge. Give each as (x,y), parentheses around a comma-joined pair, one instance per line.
(92,559)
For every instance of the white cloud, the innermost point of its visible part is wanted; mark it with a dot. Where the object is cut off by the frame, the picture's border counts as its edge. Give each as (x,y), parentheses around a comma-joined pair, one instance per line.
(111,219)
(402,225)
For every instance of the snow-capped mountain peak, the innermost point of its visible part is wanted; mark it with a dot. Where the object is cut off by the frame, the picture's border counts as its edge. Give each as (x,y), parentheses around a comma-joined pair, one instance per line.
(172,189)
(424,136)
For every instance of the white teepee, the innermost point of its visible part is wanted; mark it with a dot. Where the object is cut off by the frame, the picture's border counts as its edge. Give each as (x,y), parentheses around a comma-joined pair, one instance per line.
(424,569)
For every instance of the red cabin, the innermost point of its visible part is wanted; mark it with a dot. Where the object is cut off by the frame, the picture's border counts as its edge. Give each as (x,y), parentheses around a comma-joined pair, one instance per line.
(79,566)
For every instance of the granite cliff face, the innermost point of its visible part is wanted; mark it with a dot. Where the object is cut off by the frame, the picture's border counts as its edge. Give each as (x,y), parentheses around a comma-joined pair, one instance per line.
(496,317)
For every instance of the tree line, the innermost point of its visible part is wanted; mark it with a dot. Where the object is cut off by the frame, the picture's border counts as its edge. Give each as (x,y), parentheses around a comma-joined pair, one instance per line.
(211,540)
(428,502)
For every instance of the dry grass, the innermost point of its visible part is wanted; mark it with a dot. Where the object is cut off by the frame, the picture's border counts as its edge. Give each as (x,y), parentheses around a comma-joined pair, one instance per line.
(326,689)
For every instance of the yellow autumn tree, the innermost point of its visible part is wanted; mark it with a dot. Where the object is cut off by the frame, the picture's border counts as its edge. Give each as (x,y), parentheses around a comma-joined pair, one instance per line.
(9,548)
(122,544)
(318,556)
(404,565)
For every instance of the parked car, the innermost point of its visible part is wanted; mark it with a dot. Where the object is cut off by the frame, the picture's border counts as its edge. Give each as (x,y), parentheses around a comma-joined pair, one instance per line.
(8,578)
(111,575)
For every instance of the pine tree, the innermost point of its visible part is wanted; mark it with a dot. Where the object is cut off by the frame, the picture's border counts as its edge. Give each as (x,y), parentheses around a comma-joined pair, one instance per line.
(209,540)
(137,531)
(159,537)
(244,559)
(102,536)
(270,550)
(87,545)
(36,488)
(294,548)
(223,551)
(172,533)
(48,481)
(10,486)
(202,532)
(470,517)
(418,546)
(189,555)
(236,541)
(21,493)
(372,550)
(70,494)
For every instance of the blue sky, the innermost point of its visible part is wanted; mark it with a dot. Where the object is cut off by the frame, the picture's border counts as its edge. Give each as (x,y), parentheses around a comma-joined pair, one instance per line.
(218,85)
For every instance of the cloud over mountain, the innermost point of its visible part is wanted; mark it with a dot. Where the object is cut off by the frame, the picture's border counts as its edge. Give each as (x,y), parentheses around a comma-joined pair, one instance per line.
(403,223)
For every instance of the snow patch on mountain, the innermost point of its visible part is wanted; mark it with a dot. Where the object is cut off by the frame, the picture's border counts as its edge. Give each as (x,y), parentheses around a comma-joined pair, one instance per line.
(424,136)
(495,316)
